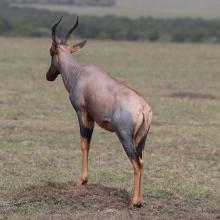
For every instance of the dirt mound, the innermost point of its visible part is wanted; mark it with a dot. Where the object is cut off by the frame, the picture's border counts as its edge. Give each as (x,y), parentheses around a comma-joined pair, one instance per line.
(92,196)
(92,201)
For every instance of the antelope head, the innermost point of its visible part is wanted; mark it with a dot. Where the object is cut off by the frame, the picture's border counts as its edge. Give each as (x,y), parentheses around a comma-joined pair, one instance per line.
(58,45)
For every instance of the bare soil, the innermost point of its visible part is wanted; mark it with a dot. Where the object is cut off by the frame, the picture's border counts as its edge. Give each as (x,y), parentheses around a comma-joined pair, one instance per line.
(192,95)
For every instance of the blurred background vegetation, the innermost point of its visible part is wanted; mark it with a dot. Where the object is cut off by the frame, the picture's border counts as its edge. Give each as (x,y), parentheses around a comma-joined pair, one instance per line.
(23,18)
(68,2)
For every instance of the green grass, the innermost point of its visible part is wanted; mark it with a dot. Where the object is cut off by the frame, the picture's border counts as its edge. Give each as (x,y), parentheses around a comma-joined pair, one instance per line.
(39,134)
(160,8)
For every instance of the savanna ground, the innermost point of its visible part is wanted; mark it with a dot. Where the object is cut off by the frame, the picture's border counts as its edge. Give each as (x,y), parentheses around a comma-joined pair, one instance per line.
(40,156)
(134,9)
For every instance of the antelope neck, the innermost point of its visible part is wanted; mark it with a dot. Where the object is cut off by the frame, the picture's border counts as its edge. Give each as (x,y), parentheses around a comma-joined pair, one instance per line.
(69,70)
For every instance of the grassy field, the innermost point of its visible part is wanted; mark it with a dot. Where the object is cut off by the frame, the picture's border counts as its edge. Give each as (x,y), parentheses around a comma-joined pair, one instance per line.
(40,156)
(160,8)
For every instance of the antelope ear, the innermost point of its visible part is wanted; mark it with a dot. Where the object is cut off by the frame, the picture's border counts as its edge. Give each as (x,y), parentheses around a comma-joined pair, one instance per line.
(76,47)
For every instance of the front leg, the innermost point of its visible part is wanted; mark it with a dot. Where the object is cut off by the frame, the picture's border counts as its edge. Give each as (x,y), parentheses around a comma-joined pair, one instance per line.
(86,129)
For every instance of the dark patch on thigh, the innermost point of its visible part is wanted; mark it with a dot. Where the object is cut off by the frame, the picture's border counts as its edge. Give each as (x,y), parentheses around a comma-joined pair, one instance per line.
(128,145)
(124,126)
(122,121)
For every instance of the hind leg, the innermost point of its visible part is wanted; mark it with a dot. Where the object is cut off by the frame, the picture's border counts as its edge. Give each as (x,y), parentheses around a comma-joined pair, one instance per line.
(140,150)
(124,127)
(129,147)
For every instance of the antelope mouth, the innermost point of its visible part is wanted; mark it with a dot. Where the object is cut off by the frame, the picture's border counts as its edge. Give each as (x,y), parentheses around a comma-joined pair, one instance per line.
(52,74)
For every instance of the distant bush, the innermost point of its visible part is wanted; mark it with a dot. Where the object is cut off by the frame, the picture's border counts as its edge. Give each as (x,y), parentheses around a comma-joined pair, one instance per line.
(5,26)
(153,36)
(32,22)
(179,36)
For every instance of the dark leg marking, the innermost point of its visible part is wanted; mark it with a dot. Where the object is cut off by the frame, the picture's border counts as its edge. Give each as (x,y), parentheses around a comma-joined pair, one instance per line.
(127,143)
(86,132)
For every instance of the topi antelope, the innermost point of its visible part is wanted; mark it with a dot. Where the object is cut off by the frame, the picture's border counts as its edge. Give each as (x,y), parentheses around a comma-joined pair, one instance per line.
(98,97)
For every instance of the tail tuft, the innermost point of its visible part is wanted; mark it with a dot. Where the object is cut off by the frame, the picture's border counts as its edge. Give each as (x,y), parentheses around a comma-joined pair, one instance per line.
(141,133)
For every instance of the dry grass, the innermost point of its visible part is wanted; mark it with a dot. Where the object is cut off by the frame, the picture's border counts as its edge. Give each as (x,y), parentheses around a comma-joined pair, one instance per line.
(39,135)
